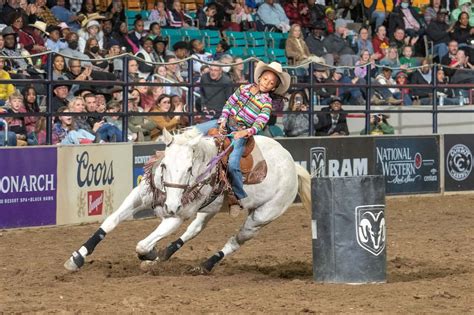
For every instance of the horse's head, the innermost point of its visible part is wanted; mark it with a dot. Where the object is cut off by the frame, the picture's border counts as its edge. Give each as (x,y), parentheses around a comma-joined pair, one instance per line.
(177,167)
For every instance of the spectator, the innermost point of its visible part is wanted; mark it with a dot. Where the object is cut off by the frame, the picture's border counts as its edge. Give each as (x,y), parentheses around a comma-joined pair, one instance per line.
(173,75)
(92,50)
(365,58)
(121,35)
(296,48)
(338,45)
(45,14)
(31,106)
(133,74)
(59,67)
(380,40)
(221,49)
(438,33)
(60,91)
(17,65)
(237,73)
(77,105)
(391,95)
(115,12)
(169,122)
(206,16)
(297,124)
(444,91)
(5,89)
(181,52)
(198,53)
(139,127)
(298,13)
(66,131)
(27,11)
(63,14)
(463,74)
(138,32)
(323,94)
(364,43)
(464,6)
(88,8)
(72,50)
(399,40)
(392,61)
(54,42)
(114,107)
(405,16)
(158,14)
(378,10)
(332,120)
(379,125)
(408,60)
(315,43)
(177,18)
(32,41)
(271,13)
(17,124)
(160,52)
(402,79)
(462,32)
(146,68)
(316,13)
(330,20)
(242,16)
(214,97)
(108,31)
(432,11)
(349,95)
(450,58)
(91,30)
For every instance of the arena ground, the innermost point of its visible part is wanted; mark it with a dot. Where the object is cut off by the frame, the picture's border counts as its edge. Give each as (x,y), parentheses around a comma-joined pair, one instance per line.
(430,268)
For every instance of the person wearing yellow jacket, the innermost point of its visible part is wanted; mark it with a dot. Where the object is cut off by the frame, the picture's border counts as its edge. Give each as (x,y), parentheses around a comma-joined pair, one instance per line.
(5,89)
(378,10)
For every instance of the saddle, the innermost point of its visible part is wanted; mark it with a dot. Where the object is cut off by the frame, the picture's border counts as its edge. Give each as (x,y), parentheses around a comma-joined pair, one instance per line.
(252,164)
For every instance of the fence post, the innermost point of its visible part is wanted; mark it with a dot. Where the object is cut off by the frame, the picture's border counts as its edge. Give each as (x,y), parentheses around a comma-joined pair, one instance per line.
(251,70)
(435,100)
(49,99)
(125,99)
(311,98)
(191,92)
(368,93)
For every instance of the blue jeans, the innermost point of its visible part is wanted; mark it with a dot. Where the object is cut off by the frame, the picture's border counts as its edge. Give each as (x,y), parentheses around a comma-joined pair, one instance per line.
(440,50)
(109,133)
(236,178)
(379,18)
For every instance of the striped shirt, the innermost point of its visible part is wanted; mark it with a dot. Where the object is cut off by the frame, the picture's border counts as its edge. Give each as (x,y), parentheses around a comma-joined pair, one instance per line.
(252,111)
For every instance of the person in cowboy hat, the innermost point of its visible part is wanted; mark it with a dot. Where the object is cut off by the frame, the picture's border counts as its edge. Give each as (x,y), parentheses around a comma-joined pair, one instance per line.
(247,112)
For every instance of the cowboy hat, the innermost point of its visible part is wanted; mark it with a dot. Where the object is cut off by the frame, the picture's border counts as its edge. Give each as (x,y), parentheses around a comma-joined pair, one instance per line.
(91,17)
(41,26)
(276,68)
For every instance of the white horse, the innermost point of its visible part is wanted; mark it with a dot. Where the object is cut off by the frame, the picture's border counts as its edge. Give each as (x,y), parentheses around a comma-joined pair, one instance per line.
(181,197)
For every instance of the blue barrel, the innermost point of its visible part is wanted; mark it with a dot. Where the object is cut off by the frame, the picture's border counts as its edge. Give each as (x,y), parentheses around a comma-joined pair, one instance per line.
(349,229)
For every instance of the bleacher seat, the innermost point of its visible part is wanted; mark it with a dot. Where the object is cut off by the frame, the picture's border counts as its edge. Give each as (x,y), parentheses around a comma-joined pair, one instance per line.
(173,34)
(211,37)
(256,39)
(258,52)
(190,34)
(130,17)
(237,39)
(276,40)
(238,51)
(278,55)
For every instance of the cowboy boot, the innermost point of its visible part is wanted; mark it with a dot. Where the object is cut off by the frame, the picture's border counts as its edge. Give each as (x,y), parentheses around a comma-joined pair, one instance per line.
(234,206)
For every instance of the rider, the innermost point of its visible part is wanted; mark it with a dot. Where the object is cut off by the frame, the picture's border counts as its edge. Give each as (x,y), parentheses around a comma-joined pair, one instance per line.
(246,113)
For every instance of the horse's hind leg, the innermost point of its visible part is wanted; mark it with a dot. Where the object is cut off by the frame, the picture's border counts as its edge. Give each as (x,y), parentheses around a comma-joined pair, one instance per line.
(129,206)
(254,222)
(198,224)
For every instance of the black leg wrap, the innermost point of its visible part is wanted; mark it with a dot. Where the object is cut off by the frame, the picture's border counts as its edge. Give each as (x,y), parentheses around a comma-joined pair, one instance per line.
(149,256)
(95,239)
(166,253)
(212,261)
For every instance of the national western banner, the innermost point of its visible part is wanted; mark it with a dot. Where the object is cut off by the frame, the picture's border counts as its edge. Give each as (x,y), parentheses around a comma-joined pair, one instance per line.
(141,155)
(94,181)
(28,184)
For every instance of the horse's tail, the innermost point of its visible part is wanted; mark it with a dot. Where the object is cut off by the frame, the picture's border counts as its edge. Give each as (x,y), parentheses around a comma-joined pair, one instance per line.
(304,186)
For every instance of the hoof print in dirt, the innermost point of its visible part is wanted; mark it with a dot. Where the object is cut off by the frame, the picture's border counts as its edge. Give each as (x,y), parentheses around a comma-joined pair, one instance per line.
(198,271)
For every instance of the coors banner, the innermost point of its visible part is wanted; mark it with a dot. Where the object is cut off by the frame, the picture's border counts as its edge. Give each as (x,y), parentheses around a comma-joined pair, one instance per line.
(94,181)
(409,164)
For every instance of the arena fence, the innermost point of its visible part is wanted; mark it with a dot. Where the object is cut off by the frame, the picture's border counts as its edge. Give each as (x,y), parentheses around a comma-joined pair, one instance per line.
(85,183)
(191,85)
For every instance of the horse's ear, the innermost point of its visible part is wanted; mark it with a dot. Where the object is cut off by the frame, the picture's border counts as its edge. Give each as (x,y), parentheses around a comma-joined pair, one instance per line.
(167,137)
(193,142)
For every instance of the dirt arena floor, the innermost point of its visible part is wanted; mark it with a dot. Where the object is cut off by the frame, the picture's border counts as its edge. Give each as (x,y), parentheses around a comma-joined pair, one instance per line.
(430,268)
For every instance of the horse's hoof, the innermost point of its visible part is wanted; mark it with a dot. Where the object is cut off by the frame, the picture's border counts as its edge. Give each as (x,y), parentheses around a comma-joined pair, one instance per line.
(151,255)
(147,265)
(75,262)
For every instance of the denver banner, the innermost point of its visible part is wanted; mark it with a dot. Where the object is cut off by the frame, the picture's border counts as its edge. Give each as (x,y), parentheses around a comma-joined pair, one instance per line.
(92,182)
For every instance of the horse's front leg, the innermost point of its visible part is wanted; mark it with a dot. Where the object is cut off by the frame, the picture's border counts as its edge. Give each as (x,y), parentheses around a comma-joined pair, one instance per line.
(145,248)
(129,206)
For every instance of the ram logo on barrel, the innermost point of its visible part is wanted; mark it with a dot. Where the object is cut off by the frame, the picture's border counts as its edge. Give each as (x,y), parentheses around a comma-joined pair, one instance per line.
(370,228)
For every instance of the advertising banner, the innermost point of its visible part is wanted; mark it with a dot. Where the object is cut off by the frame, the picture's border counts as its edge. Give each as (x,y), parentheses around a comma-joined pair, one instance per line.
(333,157)
(94,181)
(410,164)
(458,173)
(141,154)
(28,187)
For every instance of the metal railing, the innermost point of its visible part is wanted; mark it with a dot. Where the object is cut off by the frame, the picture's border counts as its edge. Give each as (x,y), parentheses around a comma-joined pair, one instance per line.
(310,86)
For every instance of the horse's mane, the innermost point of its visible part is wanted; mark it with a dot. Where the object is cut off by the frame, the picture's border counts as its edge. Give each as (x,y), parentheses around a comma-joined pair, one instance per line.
(186,135)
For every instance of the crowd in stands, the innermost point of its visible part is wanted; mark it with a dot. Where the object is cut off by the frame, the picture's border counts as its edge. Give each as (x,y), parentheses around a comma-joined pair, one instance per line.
(394,42)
